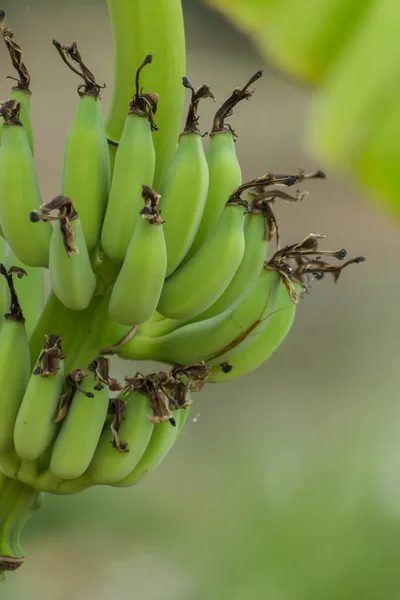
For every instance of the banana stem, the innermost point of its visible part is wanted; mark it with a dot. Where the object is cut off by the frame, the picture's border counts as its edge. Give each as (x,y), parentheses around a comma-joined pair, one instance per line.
(142,27)
(17,503)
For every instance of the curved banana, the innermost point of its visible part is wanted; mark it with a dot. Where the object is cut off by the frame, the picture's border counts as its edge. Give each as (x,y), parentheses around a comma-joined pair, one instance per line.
(184,189)
(86,161)
(19,192)
(217,339)
(255,253)
(136,292)
(71,273)
(35,427)
(260,350)
(197,284)
(31,290)
(83,410)
(21,92)
(110,463)
(14,363)
(134,167)
(223,165)
(161,442)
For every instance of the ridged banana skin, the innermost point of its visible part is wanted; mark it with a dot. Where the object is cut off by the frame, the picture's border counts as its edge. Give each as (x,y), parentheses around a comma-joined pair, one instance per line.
(35,428)
(86,168)
(200,282)
(71,277)
(109,465)
(225,176)
(80,432)
(25,113)
(217,339)
(19,196)
(139,284)
(134,167)
(255,253)
(14,376)
(163,438)
(264,346)
(31,290)
(184,194)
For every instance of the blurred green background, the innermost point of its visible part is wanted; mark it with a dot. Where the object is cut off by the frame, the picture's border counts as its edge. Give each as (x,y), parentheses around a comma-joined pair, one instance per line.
(285,484)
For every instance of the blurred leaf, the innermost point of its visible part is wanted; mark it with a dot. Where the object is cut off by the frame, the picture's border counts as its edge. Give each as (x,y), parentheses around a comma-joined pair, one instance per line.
(347,49)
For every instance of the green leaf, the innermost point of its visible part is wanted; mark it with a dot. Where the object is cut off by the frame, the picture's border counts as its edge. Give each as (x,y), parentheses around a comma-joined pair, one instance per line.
(348,50)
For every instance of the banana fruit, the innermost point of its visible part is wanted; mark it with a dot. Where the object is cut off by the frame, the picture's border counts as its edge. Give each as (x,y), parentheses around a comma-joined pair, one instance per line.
(86,161)
(19,192)
(184,190)
(225,174)
(71,273)
(35,427)
(137,290)
(14,362)
(134,167)
(82,413)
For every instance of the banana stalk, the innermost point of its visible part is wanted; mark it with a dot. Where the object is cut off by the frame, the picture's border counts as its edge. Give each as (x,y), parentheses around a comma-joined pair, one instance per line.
(140,28)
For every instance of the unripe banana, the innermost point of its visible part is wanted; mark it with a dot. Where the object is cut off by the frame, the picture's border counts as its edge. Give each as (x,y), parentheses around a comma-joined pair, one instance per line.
(134,167)
(184,189)
(71,274)
(225,174)
(197,284)
(35,427)
(19,193)
(184,295)
(86,162)
(161,442)
(258,352)
(21,92)
(31,290)
(136,292)
(14,363)
(217,339)
(249,269)
(111,464)
(86,405)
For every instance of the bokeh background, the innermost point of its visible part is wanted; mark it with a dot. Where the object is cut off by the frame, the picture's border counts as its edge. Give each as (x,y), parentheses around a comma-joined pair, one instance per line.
(285,484)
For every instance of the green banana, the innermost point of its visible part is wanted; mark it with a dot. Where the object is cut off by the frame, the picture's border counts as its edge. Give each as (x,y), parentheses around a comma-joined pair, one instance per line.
(71,274)
(163,438)
(134,167)
(83,410)
(14,363)
(184,294)
(259,351)
(21,92)
(19,192)
(35,427)
(31,290)
(86,161)
(223,165)
(136,292)
(197,284)
(131,20)
(216,339)
(112,463)
(4,293)
(184,189)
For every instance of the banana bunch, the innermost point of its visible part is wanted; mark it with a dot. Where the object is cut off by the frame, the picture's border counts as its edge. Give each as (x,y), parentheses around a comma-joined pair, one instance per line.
(151,255)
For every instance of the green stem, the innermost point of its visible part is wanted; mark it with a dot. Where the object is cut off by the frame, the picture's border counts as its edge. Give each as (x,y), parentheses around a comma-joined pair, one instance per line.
(142,27)
(17,503)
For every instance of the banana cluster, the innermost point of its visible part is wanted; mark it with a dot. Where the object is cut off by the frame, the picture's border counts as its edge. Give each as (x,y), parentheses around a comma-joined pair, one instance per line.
(176,268)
